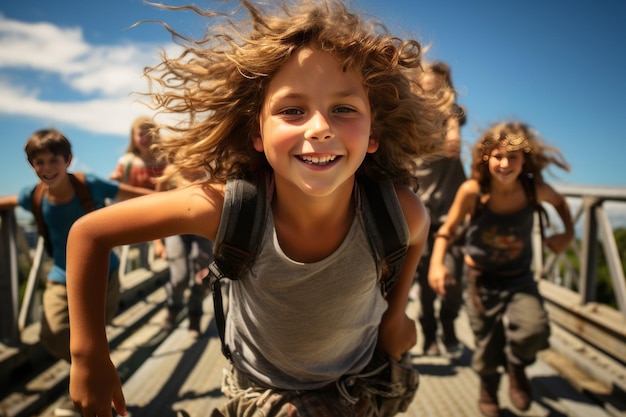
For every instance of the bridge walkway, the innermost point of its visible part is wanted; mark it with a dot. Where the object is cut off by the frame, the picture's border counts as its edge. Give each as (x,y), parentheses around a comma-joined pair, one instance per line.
(176,371)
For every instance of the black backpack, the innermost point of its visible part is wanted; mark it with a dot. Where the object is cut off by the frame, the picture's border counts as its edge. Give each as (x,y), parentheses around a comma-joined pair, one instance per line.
(243,222)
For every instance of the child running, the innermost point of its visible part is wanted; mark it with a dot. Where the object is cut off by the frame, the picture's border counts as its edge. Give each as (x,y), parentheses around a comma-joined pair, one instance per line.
(57,201)
(317,99)
(506,312)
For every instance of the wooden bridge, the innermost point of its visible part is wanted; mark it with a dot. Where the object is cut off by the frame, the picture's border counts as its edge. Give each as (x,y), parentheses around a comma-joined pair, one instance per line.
(582,374)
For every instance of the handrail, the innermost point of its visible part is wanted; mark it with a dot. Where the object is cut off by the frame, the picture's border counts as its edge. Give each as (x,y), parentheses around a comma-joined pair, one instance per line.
(595,224)
(570,291)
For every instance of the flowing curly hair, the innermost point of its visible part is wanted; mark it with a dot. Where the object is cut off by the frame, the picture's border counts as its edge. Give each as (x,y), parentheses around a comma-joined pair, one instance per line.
(215,88)
(514,136)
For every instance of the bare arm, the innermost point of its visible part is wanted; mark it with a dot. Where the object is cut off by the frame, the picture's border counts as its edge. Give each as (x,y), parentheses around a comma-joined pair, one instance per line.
(397,332)
(462,205)
(94,382)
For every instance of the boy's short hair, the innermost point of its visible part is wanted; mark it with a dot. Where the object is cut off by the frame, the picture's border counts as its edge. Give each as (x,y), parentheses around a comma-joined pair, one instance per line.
(48,140)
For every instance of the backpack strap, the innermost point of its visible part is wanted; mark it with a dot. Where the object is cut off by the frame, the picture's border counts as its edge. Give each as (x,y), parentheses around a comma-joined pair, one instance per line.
(127,165)
(384,223)
(238,238)
(80,188)
(244,218)
(36,201)
(82,191)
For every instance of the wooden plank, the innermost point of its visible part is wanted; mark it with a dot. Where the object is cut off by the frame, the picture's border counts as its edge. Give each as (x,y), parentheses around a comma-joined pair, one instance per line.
(596,324)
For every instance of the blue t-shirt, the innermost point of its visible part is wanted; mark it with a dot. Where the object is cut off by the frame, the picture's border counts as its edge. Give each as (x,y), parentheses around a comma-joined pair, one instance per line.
(60,217)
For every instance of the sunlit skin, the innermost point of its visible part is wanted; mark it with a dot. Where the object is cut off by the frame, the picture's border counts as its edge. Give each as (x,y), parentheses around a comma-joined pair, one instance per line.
(315,130)
(505,166)
(315,124)
(52,170)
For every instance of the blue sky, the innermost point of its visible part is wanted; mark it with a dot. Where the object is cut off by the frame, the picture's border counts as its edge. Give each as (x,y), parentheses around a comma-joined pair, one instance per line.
(559,65)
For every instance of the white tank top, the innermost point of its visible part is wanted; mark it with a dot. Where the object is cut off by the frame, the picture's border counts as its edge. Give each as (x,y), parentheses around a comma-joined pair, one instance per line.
(295,325)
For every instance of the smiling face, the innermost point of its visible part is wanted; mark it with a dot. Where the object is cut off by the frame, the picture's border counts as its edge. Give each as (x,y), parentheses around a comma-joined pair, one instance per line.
(50,168)
(505,166)
(315,123)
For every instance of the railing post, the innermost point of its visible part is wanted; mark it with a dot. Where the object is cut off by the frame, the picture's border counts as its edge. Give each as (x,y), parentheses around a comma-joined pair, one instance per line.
(589,261)
(31,284)
(9,301)
(612,259)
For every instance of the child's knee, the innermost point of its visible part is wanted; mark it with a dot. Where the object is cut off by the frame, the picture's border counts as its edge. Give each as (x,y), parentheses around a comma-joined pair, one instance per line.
(532,337)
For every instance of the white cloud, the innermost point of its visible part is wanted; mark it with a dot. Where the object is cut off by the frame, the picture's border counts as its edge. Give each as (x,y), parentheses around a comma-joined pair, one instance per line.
(106,75)
(40,46)
(109,115)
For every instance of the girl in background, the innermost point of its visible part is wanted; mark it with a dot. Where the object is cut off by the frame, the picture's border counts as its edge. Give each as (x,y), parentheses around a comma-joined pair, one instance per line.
(139,166)
(506,311)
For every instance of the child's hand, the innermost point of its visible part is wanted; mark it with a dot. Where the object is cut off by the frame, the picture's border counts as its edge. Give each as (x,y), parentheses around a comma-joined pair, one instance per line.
(94,386)
(396,336)
(557,243)
(438,278)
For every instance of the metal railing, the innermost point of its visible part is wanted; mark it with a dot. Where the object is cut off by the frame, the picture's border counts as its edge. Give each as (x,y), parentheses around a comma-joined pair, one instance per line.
(571,290)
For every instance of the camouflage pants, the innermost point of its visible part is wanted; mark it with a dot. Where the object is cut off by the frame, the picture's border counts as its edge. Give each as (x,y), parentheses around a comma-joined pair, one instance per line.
(510,325)
(383,389)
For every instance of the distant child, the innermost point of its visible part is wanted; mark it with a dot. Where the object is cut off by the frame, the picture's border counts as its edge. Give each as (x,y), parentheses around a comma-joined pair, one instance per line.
(439,178)
(139,166)
(49,152)
(316,100)
(506,311)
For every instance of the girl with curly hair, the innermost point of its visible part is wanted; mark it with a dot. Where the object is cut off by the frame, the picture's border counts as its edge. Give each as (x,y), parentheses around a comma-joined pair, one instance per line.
(318,99)
(506,312)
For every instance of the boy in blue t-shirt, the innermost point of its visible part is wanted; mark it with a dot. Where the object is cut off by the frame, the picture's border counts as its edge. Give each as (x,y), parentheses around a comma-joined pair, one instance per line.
(49,152)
